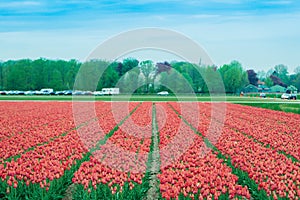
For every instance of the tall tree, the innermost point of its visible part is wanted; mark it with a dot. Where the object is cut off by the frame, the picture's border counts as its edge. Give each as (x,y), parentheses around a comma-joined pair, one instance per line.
(109,78)
(252,77)
(297,70)
(147,68)
(281,71)
(269,82)
(56,81)
(234,77)
(129,82)
(277,81)
(127,65)
(261,75)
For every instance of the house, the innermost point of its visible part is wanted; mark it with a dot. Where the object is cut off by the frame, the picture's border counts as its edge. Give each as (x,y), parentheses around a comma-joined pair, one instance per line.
(263,88)
(292,89)
(250,89)
(277,89)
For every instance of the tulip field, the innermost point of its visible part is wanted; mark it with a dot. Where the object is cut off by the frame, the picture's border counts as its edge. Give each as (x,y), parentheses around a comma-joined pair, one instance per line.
(147,150)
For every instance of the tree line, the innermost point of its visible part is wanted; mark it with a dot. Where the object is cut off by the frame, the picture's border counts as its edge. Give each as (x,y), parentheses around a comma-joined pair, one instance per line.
(133,76)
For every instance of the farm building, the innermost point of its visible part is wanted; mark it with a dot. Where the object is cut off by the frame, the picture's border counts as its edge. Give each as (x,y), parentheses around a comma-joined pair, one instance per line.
(263,88)
(250,89)
(277,88)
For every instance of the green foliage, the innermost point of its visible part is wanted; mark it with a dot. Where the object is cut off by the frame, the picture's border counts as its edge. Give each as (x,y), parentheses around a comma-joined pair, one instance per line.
(132,76)
(129,83)
(104,192)
(281,71)
(234,77)
(213,82)
(269,82)
(128,64)
(147,68)
(34,75)
(295,80)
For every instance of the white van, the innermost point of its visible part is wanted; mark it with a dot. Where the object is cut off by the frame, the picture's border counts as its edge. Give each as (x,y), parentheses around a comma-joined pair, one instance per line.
(110,91)
(47,91)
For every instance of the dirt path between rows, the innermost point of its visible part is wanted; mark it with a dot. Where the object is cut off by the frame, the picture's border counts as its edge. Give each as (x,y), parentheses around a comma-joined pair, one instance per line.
(69,192)
(153,192)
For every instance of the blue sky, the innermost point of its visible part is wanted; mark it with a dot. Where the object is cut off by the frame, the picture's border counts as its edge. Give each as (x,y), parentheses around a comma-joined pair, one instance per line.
(259,34)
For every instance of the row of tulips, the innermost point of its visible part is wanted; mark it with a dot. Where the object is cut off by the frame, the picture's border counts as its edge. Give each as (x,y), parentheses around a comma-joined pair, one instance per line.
(40,169)
(104,121)
(18,117)
(266,115)
(117,168)
(29,138)
(195,172)
(274,173)
(45,170)
(281,136)
(37,135)
(135,133)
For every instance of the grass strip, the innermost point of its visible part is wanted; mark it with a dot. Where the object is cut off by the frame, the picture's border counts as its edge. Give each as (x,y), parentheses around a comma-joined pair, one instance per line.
(153,164)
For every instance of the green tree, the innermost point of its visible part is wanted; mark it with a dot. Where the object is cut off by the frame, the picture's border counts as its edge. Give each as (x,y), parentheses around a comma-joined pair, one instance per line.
(129,82)
(147,68)
(269,82)
(175,82)
(127,65)
(213,82)
(261,75)
(281,71)
(92,75)
(295,78)
(17,77)
(297,70)
(109,78)
(72,70)
(56,81)
(234,77)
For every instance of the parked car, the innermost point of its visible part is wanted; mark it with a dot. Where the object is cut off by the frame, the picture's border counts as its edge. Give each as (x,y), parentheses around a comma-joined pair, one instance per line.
(78,92)
(11,92)
(68,92)
(20,92)
(47,91)
(262,95)
(87,93)
(98,93)
(59,93)
(288,96)
(29,92)
(2,93)
(163,93)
